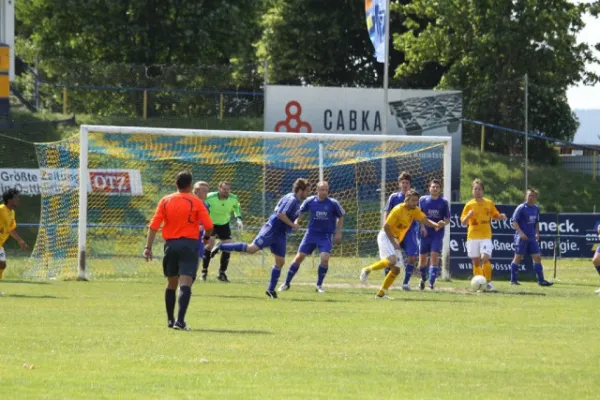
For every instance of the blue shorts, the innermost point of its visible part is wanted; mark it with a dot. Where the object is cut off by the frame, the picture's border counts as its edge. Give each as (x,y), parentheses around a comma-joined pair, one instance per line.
(529,246)
(277,241)
(311,241)
(410,244)
(598,249)
(431,243)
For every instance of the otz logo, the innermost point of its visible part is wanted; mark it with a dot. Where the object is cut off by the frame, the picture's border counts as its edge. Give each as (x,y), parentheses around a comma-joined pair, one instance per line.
(292,122)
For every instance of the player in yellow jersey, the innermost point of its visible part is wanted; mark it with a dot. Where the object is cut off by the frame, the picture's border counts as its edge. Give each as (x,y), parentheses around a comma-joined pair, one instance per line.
(10,201)
(397,224)
(478,214)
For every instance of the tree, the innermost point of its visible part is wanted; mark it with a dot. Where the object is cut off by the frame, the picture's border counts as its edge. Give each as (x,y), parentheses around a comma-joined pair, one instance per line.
(327,43)
(488,46)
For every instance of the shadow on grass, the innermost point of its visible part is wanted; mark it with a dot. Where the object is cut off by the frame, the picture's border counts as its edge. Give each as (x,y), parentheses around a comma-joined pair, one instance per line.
(225,296)
(318,300)
(26,282)
(27,296)
(233,331)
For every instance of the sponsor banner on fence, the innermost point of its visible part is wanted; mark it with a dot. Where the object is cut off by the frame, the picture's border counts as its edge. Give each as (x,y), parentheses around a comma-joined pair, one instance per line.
(361,111)
(567,235)
(53,181)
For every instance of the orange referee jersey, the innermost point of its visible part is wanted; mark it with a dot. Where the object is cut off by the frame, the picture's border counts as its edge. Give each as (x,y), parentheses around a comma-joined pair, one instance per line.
(182,214)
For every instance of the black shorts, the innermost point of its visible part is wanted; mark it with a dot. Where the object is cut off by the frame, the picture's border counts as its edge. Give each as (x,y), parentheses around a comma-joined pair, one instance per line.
(223,232)
(181,257)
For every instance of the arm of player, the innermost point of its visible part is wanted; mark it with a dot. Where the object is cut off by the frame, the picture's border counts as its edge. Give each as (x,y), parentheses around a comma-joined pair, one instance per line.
(522,234)
(537,231)
(206,221)
(284,218)
(338,230)
(21,242)
(153,227)
(388,232)
(497,215)
(237,212)
(466,215)
(431,224)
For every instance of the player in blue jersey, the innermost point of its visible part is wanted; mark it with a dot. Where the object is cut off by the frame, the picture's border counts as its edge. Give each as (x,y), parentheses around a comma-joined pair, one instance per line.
(437,209)
(201,190)
(274,233)
(596,258)
(526,220)
(324,227)
(410,244)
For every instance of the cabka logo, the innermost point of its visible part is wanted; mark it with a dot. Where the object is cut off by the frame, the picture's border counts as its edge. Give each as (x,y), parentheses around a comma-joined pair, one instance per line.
(292,122)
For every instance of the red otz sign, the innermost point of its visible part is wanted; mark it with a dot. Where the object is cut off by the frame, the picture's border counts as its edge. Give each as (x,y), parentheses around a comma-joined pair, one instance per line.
(110,182)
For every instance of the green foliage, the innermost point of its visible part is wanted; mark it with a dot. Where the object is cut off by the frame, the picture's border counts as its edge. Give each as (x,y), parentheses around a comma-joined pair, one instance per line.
(560,189)
(489,46)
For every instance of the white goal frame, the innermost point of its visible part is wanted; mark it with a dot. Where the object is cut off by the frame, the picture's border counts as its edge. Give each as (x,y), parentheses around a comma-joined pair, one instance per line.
(84,172)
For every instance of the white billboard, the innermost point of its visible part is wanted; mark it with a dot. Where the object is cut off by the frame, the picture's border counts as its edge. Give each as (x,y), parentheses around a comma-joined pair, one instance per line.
(53,181)
(361,111)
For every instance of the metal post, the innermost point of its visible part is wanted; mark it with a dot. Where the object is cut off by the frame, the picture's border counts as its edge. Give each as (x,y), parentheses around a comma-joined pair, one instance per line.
(221,106)
(482,138)
(594,165)
(526,132)
(265,158)
(37,83)
(386,78)
(83,194)
(65,100)
(145,104)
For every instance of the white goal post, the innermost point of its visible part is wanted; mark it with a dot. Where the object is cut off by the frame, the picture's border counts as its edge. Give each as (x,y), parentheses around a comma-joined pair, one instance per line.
(84,166)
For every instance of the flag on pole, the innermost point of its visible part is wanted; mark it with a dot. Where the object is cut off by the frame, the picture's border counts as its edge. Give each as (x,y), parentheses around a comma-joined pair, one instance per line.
(375,11)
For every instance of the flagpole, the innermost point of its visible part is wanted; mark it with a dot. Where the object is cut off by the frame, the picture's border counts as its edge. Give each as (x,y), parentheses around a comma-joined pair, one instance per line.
(386,78)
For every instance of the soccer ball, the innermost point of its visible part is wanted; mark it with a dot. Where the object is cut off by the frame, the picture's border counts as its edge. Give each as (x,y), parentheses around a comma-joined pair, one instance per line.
(478,282)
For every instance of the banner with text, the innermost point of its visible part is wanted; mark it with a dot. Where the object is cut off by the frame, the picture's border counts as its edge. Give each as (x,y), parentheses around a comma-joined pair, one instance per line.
(569,235)
(53,181)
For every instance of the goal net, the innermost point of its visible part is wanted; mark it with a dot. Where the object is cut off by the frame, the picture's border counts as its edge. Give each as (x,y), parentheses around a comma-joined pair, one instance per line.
(100,190)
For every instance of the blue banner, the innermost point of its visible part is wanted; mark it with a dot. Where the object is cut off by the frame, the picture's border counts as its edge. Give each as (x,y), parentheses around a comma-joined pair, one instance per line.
(563,235)
(375,14)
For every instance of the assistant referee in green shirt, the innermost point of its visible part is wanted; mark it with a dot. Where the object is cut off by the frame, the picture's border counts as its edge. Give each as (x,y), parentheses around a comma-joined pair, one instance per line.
(221,205)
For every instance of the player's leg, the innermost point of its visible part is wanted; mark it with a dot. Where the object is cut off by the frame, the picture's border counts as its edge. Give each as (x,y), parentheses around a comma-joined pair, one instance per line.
(307,246)
(278,249)
(424,250)
(325,245)
(188,268)
(485,249)
(208,255)
(434,269)
(411,247)
(534,249)
(384,262)
(520,251)
(475,256)
(394,258)
(225,235)
(596,262)
(2,261)
(323,268)
(171,272)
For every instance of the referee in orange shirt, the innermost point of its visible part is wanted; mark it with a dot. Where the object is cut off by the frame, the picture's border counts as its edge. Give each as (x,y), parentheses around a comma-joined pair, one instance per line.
(180,215)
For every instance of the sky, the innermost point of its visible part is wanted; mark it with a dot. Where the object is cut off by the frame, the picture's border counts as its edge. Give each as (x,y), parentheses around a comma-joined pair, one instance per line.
(586,97)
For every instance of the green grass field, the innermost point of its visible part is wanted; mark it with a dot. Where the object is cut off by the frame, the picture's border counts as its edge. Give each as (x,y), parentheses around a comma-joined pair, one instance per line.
(108,339)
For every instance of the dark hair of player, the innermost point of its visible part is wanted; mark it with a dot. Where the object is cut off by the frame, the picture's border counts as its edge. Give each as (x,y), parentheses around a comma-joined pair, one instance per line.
(437,182)
(184,179)
(477,182)
(300,184)
(224,183)
(412,193)
(9,194)
(405,176)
